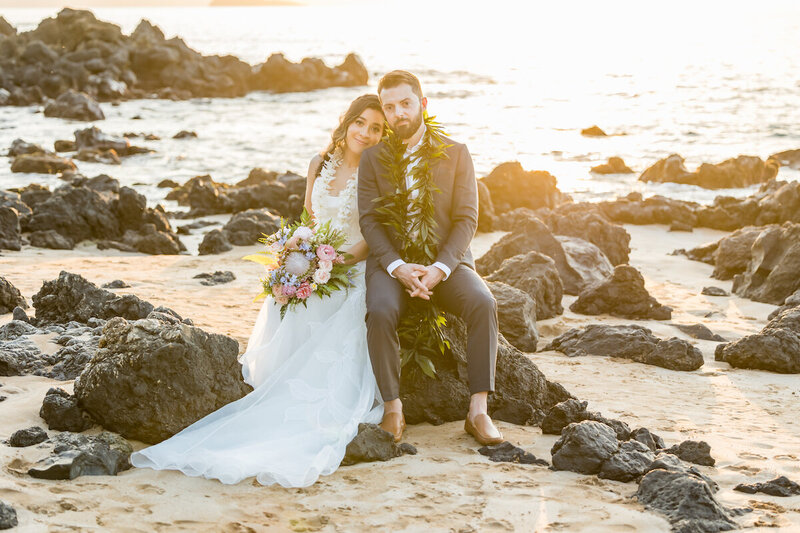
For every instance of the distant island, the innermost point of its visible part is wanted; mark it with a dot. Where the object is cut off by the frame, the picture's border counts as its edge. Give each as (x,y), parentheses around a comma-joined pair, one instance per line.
(250,3)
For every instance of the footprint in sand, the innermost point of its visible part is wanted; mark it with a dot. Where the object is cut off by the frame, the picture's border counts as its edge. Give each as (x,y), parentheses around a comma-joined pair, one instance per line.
(497,525)
(753,456)
(150,489)
(236,527)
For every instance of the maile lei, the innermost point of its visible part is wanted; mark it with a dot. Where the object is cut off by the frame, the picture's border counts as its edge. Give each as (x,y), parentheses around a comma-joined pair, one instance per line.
(412,221)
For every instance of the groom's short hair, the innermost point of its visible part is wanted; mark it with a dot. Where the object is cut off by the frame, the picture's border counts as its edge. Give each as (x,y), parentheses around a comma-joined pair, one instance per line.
(399,77)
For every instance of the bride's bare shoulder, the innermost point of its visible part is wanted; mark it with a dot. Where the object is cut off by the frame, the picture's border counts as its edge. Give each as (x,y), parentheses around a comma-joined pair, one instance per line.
(313,166)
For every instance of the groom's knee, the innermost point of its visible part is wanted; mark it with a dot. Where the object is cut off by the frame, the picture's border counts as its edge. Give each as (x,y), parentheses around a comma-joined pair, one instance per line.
(383,315)
(482,307)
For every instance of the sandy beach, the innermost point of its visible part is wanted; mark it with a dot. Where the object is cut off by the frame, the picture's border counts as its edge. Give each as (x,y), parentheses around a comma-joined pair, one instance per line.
(748,417)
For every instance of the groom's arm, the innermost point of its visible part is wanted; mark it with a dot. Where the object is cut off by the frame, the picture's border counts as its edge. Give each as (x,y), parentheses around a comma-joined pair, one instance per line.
(464,213)
(371,227)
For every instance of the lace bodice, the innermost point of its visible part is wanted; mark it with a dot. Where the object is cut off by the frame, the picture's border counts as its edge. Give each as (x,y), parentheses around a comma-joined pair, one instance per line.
(340,209)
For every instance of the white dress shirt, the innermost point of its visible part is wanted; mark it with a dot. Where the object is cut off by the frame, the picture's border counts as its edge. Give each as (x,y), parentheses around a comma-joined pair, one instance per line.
(410,183)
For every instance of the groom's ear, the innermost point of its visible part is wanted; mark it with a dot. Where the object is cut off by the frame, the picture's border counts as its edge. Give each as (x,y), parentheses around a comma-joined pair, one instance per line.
(424,103)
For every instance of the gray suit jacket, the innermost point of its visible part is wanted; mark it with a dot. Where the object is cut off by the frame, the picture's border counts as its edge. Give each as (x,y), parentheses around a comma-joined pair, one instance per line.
(455,208)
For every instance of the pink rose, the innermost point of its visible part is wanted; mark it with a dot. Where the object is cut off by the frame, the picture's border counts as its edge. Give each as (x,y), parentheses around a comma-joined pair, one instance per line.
(289,290)
(277,290)
(281,300)
(322,276)
(304,291)
(326,265)
(326,252)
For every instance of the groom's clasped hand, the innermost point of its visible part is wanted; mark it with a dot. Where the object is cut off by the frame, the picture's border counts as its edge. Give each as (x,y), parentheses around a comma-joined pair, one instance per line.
(419,280)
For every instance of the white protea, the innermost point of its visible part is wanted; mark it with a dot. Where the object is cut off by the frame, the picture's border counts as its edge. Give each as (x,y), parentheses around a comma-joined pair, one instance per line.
(297,264)
(303,232)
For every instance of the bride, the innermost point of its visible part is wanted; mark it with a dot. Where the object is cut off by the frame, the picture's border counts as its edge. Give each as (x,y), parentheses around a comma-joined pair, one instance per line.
(310,372)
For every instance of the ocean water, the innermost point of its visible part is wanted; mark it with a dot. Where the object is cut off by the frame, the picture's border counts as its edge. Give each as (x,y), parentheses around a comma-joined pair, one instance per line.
(514,80)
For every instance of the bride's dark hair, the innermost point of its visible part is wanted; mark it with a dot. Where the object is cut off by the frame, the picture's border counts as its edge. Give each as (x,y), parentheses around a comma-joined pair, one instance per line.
(357,106)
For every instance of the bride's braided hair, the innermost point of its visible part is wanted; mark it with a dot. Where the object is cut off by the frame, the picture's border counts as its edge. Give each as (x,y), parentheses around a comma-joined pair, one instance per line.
(357,106)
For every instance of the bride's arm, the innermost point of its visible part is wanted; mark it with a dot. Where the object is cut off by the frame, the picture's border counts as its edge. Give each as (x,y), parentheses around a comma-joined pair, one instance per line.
(359,251)
(310,178)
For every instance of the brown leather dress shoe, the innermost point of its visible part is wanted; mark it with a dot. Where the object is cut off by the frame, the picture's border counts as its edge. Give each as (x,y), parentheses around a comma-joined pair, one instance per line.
(394,423)
(479,427)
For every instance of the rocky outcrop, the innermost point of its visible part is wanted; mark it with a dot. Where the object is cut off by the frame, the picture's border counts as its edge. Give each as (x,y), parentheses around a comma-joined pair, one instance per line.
(243,229)
(789,158)
(686,500)
(76,106)
(486,213)
(633,209)
(75,455)
(697,452)
(99,209)
(775,202)
(615,165)
(372,443)
(700,331)
(61,412)
(516,315)
(280,75)
(586,221)
(505,452)
(42,163)
(734,252)
(741,171)
(204,196)
(629,463)
(522,393)
(8,515)
(791,301)
(94,139)
(18,354)
(10,232)
(27,437)
(573,411)
(775,348)
(622,295)
(50,239)
(593,131)
(632,342)
(215,242)
(531,234)
(72,297)
(537,275)
(584,447)
(773,273)
(512,187)
(10,297)
(155,376)
(217,277)
(587,260)
(780,486)
(76,59)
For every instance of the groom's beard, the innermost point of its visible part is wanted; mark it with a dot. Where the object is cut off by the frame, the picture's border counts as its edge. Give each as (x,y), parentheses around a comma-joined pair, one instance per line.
(407,130)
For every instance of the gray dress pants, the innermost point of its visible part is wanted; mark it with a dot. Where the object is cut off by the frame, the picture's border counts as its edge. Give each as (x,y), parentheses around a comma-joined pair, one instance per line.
(464,294)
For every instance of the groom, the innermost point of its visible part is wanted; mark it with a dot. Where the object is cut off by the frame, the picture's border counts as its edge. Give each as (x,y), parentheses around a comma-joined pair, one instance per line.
(391,282)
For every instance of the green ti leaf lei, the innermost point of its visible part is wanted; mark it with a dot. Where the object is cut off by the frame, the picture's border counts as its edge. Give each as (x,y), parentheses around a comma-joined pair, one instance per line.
(412,221)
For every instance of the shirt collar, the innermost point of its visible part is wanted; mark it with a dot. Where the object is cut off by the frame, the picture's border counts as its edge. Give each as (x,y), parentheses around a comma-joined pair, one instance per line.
(419,143)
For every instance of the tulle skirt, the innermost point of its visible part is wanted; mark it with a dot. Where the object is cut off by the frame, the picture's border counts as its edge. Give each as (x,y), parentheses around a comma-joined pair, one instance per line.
(313,384)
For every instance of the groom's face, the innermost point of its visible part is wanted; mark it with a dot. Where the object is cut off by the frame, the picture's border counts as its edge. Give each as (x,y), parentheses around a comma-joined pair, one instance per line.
(403,109)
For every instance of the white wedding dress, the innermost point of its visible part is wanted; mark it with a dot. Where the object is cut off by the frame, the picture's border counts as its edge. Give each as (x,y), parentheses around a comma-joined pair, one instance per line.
(312,379)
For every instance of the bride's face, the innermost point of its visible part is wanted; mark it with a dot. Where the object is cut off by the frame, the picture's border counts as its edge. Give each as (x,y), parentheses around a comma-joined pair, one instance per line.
(365,131)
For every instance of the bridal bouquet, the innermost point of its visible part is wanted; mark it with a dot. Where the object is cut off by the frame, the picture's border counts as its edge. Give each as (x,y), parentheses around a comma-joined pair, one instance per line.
(302,259)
